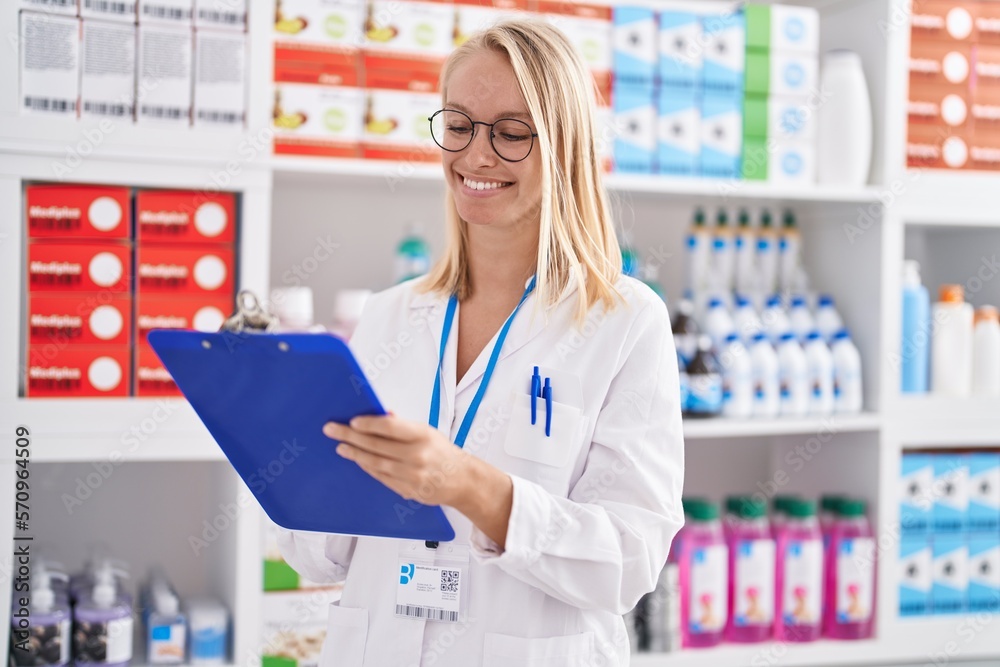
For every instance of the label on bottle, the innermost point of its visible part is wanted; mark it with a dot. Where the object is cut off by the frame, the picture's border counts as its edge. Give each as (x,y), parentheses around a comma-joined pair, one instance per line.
(707,606)
(40,644)
(753,583)
(706,393)
(855,579)
(103,642)
(803,582)
(167,643)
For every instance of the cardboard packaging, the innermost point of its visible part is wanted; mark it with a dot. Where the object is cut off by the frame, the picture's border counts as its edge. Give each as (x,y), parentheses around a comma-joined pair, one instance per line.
(778,160)
(936,147)
(77,372)
(941,63)
(987,67)
(721,134)
(171,12)
(159,312)
(985,111)
(916,495)
(984,573)
(681,48)
(295,625)
(319,41)
(67,7)
(79,267)
(635,115)
(396,126)
(943,21)
(984,151)
(472,16)
(781,74)
(163,81)
(781,118)
(221,14)
(49,65)
(678,131)
(318,120)
(219,80)
(941,105)
(588,28)
(184,270)
(185,216)
(950,588)
(782,28)
(79,319)
(107,75)
(78,212)
(726,62)
(151,378)
(951,493)
(634,45)
(109,10)
(915,575)
(984,492)
(406,44)
(987,23)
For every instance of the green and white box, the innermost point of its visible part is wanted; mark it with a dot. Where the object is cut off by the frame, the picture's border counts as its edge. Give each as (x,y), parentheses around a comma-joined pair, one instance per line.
(783,28)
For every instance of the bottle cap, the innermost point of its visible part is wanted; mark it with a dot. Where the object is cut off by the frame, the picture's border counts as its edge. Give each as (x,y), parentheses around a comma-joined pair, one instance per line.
(951,294)
(715,302)
(699,217)
(831,502)
(798,301)
(722,218)
(701,509)
(842,334)
(759,336)
(987,314)
(824,300)
(814,335)
(774,301)
(788,335)
(779,504)
(801,508)
(742,301)
(744,218)
(765,218)
(789,219)
(732,337)
(851,507)
(746,507)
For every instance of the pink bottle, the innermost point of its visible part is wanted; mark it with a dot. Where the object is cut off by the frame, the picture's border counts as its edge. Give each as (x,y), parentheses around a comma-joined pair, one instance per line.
(751,570)
(828,507)
(850,579)
(799,608)
(703,573)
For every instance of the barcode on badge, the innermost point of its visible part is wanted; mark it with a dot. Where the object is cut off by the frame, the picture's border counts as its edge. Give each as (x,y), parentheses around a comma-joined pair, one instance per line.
(110,6)
(427,613)
(53,3)
(213,16)
(228,117)
(449,580)
(49,104)
(105,109)
(172,13)
(162,112)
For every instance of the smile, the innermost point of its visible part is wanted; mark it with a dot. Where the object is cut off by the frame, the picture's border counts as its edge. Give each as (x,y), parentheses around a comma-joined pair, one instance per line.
(484,185)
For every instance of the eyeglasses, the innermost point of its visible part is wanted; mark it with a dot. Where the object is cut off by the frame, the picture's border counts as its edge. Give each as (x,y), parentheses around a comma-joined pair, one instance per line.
(453,131)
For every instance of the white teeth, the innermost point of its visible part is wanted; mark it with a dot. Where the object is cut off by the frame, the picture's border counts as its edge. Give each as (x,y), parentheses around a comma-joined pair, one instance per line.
(479,185)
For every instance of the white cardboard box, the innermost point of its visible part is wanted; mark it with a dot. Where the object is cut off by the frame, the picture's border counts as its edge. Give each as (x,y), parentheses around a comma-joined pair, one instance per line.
(219,79)
(110,10)
(173,12)
(163,84)
(49,65)
(107,73)
(224,14)
(294,623)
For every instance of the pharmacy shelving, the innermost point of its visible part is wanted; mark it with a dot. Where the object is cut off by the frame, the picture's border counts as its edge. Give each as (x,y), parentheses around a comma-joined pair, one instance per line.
(695,429)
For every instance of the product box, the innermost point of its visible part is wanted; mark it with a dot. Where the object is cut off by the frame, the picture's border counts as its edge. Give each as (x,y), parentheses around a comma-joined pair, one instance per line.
(635,114)
(778,160)
(472,16)
(163,80)
(79,319)
(915,575)
(782,28)
(49,65)
(68,7)
(941,63)
(111,10)
(943,21)
(319,41)
(107,75)
(984,151)
(205,313)
(936,147)
(951,493)
(78,212)
(588,28)
(950,589)
(77,372)
(224,14)
(987,66)
(678,131)
(176,12)
(79,267)
(219,80)
(294,626)
(725,51)
(721,134)
(782,118)
(318,120)
(279,575)
(984,492)
(151,378)
(984,572)
(184,270)
(606,130)
(185,216)
(936,104)
(406,44)
(634,45)
(396,126)
(682,50)
(985,110)
(916,493)
(987,23)
(781,74)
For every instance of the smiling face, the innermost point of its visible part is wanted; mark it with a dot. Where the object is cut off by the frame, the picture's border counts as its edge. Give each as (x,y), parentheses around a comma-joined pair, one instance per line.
(487,189)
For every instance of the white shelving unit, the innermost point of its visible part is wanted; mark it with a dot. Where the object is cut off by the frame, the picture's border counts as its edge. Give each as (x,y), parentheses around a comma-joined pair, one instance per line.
(289,204)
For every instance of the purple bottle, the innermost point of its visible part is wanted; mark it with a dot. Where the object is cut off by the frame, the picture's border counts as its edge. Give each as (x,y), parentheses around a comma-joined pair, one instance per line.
(39,629)
(751,570)
(850,582)
(102,625)
(798,613)
(703,574)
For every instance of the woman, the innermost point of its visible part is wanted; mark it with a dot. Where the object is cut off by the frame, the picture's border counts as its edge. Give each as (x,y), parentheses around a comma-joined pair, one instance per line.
(563,512)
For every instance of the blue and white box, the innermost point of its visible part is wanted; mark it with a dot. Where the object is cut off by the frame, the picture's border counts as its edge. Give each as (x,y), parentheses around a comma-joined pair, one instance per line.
(984,492)
(682,49)
(721,134)
(635,119)
(678,130)
(951,493)
(915,575)
(950,588)
(916,496)
(634,45)
(725,51)
(984,572)
(782,74)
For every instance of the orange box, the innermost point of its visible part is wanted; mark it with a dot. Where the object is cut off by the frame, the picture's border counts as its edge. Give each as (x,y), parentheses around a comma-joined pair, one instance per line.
(79,267)
(988,23)
(79,319)
(936,147)
(184,270)
(160,312)
(984,152)
(78,211)
(943,20)
(406,43)
(185,216)
(151,378)
(987,66)
(313,63)
(936,104)
(69,371)
(941,63)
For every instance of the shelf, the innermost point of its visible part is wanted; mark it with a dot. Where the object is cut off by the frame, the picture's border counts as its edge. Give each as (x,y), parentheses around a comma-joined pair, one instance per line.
(946,199)
(766,653)
(942,421)
(695,429)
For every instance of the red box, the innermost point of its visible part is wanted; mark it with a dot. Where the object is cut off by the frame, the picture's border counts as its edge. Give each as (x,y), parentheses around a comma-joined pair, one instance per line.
(988,23)
(180,216)
(159,312)
(151,378)
(943,63)
(79,267)
(80,319)
(936,147)
(944,105)
(77,372)
(180,270)
(944,20)
(78,211)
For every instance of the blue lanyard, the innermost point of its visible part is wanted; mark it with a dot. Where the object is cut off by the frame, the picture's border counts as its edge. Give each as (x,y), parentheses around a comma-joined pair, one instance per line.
(470,415)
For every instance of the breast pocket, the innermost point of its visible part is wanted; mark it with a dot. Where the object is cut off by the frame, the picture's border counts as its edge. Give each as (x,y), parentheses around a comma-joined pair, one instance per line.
(551,456)
(346,634)
(566,651)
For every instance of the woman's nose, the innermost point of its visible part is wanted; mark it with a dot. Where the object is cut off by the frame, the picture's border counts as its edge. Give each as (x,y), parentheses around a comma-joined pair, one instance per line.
(481,150)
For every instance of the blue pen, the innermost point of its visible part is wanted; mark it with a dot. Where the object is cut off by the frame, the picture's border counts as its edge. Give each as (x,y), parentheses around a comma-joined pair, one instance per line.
(547,395)
(536,391)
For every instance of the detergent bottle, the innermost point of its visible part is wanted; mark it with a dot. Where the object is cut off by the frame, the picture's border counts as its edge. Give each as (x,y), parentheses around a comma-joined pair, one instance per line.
(751,570)
(800,574)
(703,575)
(850,578)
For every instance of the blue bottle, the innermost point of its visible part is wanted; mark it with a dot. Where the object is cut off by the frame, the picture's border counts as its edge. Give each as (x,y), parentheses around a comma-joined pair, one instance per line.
(915,351)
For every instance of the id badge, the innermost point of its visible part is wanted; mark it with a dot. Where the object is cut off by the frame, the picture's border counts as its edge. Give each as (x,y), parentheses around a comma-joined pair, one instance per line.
(432,584)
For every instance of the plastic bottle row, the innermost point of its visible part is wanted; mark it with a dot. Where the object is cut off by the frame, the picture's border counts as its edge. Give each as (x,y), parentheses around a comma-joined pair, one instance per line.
(745,579)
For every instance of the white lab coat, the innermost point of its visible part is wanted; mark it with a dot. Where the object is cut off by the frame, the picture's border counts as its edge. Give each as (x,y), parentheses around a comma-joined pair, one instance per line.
(595,506)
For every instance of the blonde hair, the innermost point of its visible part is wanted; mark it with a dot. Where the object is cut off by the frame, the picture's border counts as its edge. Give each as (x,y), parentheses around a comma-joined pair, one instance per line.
(575,229)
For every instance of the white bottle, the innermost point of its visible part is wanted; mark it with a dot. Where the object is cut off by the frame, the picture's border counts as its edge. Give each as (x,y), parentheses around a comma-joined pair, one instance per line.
(764,368)
(348,305)
(746,254)
(745,319)
(986,355)
(718,323)
(698,253)
(794,377)
(800,319)
(828,321)
(775,319)
(951,347)
(847,391)
(767,254)
(790,247)
(819,361)
(723,253)
(737,379)
(844,126)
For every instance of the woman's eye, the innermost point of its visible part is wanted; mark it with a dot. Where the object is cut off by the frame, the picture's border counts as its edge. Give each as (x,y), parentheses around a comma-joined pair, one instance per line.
(506,136)
(459,129)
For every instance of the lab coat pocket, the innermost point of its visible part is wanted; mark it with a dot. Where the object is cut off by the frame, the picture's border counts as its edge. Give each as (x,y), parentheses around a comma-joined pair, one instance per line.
(528,441)
(346,634)
(566,651)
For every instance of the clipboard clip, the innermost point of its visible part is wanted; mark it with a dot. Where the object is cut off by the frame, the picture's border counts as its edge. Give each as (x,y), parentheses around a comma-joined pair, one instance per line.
(250,316)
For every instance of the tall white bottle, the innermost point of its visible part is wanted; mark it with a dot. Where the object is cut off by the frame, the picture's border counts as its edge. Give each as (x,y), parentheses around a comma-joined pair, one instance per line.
(986,353)
(844,126)
(698,254)
(952,343)
(767,254)
(718,323)
(723,253)
(793,372)
(819,361)
(737,379)
(848,395)
(766,384)
(746,255)
(789,250)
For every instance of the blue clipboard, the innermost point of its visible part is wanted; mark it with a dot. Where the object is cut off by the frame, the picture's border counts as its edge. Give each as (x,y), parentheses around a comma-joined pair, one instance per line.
(264,398)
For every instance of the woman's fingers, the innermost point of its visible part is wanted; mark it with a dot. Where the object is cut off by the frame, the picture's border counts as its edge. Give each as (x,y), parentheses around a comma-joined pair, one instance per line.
(371,443)
(390,426)
(371,463)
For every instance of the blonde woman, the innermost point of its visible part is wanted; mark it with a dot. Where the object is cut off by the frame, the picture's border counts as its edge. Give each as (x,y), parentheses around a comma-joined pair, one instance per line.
(533,390)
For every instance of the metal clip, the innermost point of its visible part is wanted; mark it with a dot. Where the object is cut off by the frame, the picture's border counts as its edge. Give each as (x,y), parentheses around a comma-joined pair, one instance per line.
(249,317)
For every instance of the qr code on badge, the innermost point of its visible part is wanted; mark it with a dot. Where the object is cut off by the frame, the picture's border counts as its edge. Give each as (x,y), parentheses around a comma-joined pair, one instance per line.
(449,580)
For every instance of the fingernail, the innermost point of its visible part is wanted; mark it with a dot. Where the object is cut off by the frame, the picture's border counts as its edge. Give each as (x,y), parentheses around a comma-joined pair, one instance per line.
(330,429)
(342,450)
